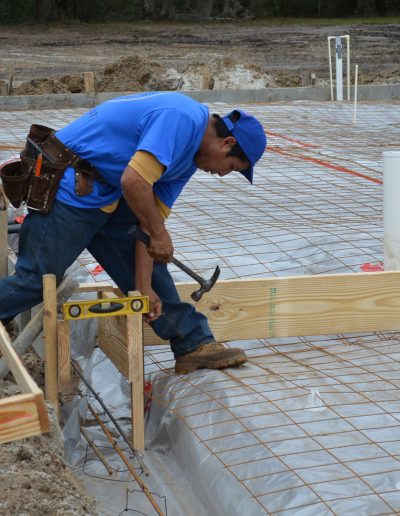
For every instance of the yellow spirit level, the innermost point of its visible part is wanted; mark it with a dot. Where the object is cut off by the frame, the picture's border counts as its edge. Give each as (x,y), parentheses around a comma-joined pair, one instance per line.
(74,310)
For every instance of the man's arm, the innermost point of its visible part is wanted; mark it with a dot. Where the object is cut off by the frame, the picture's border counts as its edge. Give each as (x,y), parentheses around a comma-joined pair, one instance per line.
(143,273)
(140,198)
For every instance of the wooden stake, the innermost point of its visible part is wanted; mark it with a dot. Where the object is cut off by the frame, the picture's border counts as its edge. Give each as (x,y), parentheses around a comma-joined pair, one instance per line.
(3,88)
(305,78)
(88,78)
(50,338)
(206,78)
(135,336)
(64,355)
(10,79)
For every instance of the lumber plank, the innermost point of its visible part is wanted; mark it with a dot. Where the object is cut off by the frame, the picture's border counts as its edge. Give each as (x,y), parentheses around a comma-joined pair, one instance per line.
(64,354)
(297,306)
(235,309)
(23,379)
(135,338)
(11,405)
(115,341)
(330,304)
(95,286)
(112,340)
(19,418)
(50,338)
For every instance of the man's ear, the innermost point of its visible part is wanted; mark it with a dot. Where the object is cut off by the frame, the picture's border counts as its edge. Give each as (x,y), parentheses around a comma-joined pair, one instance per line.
(230,140)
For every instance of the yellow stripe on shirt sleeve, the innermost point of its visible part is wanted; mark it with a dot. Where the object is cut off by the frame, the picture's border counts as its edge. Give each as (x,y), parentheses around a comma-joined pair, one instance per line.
(147,166)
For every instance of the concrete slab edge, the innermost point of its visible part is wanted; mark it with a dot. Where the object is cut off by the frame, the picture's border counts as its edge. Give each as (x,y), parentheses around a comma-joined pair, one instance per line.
(86,100)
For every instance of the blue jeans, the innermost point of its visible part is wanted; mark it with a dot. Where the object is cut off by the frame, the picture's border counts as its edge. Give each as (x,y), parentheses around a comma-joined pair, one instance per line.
(49,244)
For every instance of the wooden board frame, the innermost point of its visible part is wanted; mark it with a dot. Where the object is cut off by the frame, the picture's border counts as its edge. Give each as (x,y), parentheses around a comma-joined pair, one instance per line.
(320,304)
(22,415)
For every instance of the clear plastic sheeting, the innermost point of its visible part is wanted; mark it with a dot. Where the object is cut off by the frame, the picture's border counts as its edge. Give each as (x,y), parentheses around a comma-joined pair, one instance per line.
(119,493)
(304,428)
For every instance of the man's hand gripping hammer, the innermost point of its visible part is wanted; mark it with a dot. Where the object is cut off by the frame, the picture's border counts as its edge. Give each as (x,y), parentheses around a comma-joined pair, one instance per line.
(205,285)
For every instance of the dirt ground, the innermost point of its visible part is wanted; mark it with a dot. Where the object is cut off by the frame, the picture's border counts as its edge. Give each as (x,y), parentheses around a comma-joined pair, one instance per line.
(34,478)
(145,56)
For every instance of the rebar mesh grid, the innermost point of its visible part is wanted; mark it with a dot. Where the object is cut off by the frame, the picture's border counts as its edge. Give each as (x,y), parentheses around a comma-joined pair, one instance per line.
(311,425)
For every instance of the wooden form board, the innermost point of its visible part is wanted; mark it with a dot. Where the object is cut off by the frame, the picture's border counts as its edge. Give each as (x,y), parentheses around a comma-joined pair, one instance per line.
(117,338)
(113,341)
(23,415)
(298,305)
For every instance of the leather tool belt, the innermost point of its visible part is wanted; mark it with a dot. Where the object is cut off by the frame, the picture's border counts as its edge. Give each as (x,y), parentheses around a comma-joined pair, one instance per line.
(35,179)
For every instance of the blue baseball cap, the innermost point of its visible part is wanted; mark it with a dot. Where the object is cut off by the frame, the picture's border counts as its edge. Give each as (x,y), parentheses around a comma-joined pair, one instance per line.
(250,135)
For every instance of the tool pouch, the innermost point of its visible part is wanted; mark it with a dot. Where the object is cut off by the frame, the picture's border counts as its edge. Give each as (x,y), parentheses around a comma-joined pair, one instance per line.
(15,182)
(39,191)
(42,189)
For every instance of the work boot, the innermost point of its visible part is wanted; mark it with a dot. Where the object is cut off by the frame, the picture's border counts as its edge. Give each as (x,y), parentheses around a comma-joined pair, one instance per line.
(209,356)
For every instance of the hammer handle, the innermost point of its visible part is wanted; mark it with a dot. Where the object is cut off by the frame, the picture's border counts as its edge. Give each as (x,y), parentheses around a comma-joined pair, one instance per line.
(143,237)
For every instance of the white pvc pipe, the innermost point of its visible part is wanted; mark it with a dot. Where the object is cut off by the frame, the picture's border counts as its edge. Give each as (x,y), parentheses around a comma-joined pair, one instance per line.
(330,65)
(348,67)
(339,69)
(355,95)
(391,209)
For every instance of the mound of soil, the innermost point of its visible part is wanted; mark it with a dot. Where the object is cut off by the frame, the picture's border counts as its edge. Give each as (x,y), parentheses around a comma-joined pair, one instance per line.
(40,87)
(34,479)
(133,73)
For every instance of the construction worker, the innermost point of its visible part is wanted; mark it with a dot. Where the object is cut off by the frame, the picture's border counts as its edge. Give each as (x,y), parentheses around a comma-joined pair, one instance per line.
(131,158)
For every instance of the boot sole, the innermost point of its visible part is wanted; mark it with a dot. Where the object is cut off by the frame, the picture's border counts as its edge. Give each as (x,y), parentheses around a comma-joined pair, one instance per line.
(218,364)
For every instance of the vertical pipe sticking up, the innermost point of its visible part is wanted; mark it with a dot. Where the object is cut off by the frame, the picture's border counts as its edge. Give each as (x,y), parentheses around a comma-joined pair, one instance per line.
(391,209)
(355,95)
(348,67)
(339,69)
(330,66)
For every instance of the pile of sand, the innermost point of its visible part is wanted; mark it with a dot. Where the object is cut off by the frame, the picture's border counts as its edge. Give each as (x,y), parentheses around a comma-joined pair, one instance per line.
(225,73)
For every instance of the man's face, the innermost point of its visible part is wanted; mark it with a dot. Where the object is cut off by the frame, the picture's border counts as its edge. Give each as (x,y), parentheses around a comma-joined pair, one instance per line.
(214,158)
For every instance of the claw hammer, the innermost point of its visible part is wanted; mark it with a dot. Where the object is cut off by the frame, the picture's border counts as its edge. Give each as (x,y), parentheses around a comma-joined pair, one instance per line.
(205,285)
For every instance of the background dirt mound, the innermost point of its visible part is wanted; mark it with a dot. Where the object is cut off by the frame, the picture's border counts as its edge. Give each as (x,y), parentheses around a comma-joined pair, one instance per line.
(225,73)
(40,87)
(132,73)
(387,77)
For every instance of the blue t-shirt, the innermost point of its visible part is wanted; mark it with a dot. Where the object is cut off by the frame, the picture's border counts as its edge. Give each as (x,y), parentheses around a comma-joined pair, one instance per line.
(170,126)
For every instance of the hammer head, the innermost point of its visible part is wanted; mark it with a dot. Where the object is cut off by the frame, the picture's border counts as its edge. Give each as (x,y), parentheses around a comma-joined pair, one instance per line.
(206,286)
